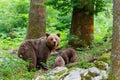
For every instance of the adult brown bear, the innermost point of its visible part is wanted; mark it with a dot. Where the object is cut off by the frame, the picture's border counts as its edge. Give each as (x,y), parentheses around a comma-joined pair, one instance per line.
(37,51)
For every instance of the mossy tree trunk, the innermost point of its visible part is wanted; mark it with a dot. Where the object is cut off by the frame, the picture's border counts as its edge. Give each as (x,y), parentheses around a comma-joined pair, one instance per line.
(82,27)
(37,20)
(115,56)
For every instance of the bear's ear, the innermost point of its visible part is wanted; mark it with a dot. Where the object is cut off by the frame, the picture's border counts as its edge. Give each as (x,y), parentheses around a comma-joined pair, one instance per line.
(47,34)
(58,34)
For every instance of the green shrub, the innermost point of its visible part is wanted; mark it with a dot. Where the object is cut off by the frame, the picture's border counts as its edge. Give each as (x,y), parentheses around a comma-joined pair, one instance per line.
(13,13)
(12,67)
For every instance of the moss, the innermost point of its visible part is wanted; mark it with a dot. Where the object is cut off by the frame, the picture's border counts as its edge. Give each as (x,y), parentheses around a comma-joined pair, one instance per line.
(60,72)
(92,65)
(72,68)
(105,58)
(88,77)
(100,65)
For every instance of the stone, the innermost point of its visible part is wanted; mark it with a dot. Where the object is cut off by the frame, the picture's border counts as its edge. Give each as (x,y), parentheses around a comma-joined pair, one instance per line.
(97,78)
(40,78)
(83,72)
(93,71)
(59,71)
(104,74)
(73,75)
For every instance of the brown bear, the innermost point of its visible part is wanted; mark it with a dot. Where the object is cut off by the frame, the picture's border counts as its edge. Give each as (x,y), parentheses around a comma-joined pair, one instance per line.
(59,61)
(68,55)
(37,51)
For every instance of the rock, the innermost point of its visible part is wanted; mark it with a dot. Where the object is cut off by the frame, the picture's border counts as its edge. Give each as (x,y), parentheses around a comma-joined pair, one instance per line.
(83,72)
(62,73)
(52,78)
(55,74)
(59,72)
(73,75)
(93,71)
(87,77)
(104,74)
(101,65)
(40,78)
(97,78)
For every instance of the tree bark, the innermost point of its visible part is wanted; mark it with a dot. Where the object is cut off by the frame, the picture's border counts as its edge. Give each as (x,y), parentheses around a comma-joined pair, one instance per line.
(37,20)
(81,27)
(115,56)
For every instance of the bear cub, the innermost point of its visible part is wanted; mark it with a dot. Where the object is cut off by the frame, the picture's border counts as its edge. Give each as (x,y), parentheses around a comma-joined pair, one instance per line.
(37,51)
(65,57)
(59,61)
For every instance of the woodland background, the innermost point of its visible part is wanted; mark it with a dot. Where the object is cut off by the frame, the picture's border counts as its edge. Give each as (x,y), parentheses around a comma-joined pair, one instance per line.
(14,25)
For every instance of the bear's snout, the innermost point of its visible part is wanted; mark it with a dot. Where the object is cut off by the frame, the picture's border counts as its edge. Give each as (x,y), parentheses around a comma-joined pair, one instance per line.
(54,41)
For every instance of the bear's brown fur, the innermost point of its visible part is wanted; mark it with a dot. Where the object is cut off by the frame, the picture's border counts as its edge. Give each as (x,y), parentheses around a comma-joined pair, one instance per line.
(59,61)
(37,51)
(68,55)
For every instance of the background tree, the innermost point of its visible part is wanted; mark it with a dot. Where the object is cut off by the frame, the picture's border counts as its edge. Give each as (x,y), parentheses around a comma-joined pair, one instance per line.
(115,56)
(82,22)
(37,20)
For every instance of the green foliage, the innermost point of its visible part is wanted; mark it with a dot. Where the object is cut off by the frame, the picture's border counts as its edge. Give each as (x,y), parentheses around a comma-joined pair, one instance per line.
(99,6)
(51,62)
(58,22)
(7,43)
(11,67)
(65,6)
(103,25)
(83,64)
(13,13)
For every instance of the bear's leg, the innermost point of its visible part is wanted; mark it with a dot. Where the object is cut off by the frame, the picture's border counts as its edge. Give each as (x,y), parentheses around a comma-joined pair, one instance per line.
(42,65)
(73,59)
(32,59)
(28,54)
(66,59)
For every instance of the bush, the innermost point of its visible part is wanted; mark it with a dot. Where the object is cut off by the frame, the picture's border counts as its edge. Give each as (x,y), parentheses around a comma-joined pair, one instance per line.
(13,15)
(11,67)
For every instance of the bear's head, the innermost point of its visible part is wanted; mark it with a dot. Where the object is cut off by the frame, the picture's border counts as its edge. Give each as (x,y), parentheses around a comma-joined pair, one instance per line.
(53,40)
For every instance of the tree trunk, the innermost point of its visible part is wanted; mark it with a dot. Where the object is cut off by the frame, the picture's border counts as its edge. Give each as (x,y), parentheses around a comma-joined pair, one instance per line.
(37,20)
(115,56)
(81,27)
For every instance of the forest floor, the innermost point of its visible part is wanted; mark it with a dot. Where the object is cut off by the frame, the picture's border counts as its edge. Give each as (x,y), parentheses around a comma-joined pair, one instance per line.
(13,67)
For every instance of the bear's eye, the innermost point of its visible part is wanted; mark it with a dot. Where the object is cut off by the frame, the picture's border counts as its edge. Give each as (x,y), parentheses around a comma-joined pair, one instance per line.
(56,39)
